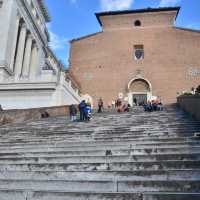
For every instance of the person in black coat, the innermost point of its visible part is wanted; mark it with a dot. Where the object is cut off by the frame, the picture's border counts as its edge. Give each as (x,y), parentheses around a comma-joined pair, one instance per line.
(82,106)
(73,112)
(100,105)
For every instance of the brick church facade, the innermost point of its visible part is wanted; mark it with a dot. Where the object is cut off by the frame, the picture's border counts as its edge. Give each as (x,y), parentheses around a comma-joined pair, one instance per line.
(138,54)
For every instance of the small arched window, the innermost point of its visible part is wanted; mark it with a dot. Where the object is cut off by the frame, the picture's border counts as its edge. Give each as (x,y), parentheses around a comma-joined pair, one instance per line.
(137,23)
(139,52)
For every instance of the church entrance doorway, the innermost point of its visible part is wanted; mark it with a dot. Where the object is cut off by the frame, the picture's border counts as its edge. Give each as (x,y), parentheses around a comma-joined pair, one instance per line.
(139,99)
(139,91)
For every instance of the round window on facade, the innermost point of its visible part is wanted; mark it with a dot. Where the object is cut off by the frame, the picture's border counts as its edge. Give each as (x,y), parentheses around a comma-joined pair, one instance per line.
(137,23)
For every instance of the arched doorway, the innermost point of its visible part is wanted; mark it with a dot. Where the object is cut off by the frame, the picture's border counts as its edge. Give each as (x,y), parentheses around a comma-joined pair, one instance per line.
(139,89)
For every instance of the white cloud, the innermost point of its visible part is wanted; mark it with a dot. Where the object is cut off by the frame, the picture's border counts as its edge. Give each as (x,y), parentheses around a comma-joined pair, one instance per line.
(73,1)
(164,3)
(108,5)
(57,42)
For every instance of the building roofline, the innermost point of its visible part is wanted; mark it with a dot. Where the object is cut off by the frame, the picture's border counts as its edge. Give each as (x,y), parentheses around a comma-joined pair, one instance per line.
(145,10)
(44,10)
(83,37)
(187,29)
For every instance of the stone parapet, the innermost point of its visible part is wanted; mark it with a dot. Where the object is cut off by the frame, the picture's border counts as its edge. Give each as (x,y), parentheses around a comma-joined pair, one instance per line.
(190,104)
(22,115)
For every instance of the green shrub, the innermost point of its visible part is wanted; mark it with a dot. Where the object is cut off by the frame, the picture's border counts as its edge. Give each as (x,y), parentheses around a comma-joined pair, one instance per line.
(187,94)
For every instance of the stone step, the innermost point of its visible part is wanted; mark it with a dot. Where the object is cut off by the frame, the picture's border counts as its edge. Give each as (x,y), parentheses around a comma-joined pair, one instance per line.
(30,141)
(97,136)
(159,186)
(99,159)
(43,195)
(130,131)
(126,135)
(107,146)
(111,129)
(147,136)
(53,152)
(140,175)
(117,166)
(137,133)
(102,186)
(91,139)
(171,196)
(46,129)
(114,126)
(159,141)
(55,195)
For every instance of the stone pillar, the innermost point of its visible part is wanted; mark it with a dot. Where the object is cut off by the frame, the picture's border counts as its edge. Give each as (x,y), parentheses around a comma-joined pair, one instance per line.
(34,61)
(14,46)
(20,51)
(27,56)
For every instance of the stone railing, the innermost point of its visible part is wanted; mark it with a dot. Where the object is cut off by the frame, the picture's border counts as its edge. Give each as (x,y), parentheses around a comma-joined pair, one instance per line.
(21,115)
(190,104)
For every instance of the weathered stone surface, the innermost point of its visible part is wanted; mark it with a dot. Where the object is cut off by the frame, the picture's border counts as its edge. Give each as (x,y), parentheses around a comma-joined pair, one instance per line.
(171,196)
(115,156)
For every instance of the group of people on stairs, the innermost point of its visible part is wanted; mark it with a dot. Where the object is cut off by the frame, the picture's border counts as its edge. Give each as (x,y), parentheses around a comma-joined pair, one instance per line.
(85,109)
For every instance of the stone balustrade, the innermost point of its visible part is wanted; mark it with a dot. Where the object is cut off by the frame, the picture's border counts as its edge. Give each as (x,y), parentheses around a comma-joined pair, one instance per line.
(31,75)
(190,104)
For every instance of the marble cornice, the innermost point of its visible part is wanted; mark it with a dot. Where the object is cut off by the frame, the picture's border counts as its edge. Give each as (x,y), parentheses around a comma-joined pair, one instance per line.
(44,10)
(28,86)
(34,23)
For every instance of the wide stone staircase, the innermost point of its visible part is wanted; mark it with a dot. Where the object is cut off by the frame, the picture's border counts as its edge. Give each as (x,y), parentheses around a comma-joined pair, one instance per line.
(126,156)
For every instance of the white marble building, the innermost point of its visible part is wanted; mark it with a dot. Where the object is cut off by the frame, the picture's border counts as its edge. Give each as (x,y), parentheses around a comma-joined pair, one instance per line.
(30,74)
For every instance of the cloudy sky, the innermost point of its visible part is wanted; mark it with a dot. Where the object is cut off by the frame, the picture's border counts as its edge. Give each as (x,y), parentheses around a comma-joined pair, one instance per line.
(75,18)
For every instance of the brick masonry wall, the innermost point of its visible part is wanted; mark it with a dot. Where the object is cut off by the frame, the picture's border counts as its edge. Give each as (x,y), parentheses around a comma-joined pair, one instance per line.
(18,116)
(104,63)
(121,21)
(190,104)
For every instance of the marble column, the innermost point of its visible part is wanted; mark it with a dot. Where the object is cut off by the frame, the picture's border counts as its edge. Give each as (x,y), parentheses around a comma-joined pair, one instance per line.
(34,61)
(14,46)
(27,56)
(20,51)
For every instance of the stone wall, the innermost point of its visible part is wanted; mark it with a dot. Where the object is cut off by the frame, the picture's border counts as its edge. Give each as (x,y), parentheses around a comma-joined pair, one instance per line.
(21,115)
(190,104)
